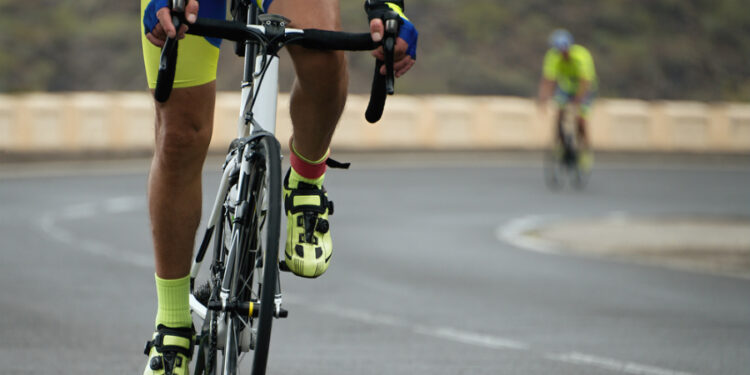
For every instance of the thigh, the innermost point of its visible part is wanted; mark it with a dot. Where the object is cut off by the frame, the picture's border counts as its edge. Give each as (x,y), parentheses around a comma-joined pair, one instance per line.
(318,14)
(198,56)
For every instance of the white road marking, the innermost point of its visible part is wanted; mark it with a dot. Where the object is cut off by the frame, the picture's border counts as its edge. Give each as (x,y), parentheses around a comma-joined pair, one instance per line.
(123,204)
(79,211)
(472,338)
(362,316)
(612,364)
(514,233)
(488,341)
(49,224)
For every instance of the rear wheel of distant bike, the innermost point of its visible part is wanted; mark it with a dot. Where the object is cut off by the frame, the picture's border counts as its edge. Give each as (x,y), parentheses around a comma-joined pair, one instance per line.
(553,168)
(580,178)
(255,279)
(580,173)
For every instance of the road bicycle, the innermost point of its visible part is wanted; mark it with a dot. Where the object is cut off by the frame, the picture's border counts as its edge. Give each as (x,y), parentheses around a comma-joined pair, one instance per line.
(236,306)
(562,161)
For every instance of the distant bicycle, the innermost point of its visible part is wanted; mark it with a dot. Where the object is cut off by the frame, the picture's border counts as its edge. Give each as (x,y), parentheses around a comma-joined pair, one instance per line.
(563,161)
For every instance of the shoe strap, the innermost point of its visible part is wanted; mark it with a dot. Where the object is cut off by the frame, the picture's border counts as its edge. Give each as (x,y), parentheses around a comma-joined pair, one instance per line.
(172,340)
(320,208)
(337,164)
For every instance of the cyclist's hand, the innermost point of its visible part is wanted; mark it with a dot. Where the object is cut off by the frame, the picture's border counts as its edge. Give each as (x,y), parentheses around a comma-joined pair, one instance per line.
(405,51)
(157,21)
(404,55)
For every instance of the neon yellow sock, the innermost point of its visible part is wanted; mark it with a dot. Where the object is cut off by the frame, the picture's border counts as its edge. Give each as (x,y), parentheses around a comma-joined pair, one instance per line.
(173,302)
(295,178)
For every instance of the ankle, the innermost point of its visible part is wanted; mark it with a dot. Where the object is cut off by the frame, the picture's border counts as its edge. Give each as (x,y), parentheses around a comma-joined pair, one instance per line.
(306,170)
(173,296)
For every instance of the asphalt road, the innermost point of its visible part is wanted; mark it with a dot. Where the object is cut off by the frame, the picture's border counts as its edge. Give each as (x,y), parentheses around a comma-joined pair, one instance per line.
(420,283)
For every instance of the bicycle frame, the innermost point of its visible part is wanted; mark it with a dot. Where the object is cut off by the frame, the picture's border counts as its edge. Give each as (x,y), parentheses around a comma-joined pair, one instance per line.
(568,136)
(249,123)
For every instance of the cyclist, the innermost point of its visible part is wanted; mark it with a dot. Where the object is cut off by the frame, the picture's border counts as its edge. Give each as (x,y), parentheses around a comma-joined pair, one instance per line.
(569,73)
(183,131)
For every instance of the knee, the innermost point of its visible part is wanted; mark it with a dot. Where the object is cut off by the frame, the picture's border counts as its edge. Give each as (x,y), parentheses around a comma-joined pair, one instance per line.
(317,66)
(181,139)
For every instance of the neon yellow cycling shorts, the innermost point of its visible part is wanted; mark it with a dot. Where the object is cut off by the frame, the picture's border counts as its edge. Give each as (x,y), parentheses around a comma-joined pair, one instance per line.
(197,56)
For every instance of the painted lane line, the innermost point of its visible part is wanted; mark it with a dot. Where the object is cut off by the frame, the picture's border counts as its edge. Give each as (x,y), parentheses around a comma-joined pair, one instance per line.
(612,364)
(49,224)
(472,338)
(78,211)
(362,316)
(488,341)
(514,233)
(446,333)
(123,204)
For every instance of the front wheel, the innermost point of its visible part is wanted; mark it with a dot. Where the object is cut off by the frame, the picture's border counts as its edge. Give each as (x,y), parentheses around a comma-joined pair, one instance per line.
(257,267)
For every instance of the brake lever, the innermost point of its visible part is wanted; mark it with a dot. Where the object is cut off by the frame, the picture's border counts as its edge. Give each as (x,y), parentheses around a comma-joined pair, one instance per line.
(383,85)
(389,46)
(168,58)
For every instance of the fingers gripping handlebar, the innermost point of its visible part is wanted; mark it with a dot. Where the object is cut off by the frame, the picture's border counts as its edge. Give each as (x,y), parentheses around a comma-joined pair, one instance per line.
(383,84)
(168,59)
(310,38)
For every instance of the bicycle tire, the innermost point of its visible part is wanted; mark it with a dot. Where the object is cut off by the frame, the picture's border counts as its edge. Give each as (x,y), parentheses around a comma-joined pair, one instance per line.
(580,178)
(261,233)
(553,171)
(271,259)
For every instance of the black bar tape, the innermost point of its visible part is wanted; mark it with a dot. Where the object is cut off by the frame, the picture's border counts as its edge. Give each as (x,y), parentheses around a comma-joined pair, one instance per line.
(336,40)
(377,96)
(167,67)
(214,28)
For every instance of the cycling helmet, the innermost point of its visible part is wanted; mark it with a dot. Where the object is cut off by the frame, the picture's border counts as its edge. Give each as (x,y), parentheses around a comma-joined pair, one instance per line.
(560,40)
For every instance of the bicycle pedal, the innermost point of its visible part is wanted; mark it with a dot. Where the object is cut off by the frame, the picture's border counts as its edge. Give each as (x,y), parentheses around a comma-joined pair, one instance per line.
(284,267)
(283,313)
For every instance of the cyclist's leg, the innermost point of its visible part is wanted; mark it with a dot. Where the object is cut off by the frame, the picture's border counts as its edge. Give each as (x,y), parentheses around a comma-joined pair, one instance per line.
(562,99)
(317,101)
(587,157)
(582,119)
(319,91)
(182,134)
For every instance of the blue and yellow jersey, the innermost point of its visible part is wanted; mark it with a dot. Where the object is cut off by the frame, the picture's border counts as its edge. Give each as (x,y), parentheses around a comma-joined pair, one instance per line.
(568,73)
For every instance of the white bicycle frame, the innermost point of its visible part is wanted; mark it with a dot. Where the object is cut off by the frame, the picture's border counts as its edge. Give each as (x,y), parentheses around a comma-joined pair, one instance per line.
(264,117)
(260,116)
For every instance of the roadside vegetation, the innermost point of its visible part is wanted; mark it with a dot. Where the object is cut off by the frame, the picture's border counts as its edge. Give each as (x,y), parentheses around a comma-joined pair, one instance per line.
(656,49)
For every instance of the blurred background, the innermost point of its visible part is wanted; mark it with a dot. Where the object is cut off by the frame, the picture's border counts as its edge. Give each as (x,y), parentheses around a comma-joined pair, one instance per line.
(666,49)
(453,255)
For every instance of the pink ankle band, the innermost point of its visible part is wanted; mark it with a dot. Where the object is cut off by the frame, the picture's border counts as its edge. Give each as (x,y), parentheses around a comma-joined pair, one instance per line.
(305,169)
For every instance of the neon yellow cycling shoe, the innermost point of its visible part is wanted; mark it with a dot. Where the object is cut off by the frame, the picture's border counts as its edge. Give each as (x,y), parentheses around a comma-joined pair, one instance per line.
(308,236)
(169,351)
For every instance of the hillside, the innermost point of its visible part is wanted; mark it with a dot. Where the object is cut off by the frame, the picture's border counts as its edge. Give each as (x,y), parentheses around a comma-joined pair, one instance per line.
(657,49)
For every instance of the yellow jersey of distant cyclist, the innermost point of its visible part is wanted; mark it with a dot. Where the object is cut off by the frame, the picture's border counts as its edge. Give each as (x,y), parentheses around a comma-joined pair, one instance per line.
(568,73)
